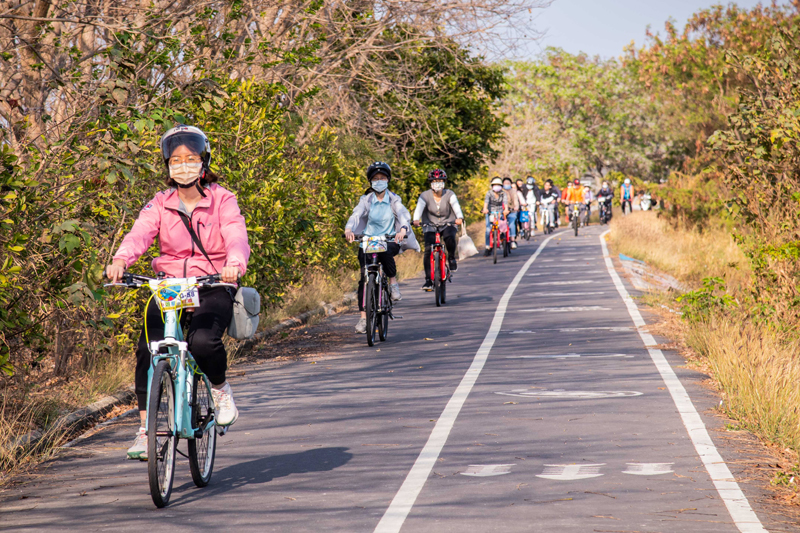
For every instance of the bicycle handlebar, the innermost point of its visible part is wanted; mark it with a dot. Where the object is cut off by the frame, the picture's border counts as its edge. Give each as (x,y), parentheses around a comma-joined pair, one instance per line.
(135,281)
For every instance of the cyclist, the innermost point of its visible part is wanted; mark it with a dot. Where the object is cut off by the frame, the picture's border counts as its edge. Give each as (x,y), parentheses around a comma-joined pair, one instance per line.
(497,200)
(575,196)
(513,209)
(550,191)
(380,212)
(606,192)
(588,198)
(195,197)
(532,197)
(438,206)
(626,196)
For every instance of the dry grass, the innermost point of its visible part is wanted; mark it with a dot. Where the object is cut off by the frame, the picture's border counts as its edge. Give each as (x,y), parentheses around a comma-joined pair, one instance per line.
(686,254)
(755,369)
(758,373)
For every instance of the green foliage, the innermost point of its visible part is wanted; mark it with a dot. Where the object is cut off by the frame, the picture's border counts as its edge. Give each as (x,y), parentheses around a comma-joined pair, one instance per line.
(710,300)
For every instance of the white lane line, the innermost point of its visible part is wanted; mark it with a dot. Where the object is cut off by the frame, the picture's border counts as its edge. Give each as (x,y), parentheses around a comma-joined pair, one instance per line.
(404,500)
(739,508)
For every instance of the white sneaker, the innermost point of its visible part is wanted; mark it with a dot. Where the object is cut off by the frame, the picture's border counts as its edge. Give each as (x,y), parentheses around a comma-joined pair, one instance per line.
(223,403)
(361,327)
(513,245)
(394,289)
(139,448)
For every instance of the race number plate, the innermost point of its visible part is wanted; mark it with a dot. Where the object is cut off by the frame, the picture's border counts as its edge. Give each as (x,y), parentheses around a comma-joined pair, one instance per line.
(176,293)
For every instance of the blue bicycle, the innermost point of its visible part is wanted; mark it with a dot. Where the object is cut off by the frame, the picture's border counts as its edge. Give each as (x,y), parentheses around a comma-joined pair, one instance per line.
(179,401)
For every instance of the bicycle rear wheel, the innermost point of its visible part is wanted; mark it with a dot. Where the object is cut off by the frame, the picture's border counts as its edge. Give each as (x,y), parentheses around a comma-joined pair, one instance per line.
(161,435)
(371,309)
(506,246)
(444,282)
(202,449)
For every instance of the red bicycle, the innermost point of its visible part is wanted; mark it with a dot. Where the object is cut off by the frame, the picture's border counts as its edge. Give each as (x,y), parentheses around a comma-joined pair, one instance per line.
(440,270)
(498,236)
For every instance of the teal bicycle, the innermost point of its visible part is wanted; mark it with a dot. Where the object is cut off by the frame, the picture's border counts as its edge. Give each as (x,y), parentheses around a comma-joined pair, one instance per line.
(179,401)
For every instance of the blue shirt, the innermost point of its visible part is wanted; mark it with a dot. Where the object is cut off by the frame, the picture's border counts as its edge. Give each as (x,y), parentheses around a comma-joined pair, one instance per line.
(380,220)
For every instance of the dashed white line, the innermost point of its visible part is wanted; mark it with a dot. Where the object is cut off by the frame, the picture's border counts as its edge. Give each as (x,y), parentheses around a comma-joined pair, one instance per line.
(403,501)
(739,508)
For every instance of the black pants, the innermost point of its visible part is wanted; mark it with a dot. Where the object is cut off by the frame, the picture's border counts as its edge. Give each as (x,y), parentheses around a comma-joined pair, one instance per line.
(206,324)
(449,237)
(386,259)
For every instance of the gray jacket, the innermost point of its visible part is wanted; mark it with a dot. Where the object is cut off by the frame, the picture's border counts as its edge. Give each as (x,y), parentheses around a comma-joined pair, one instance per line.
(357,222)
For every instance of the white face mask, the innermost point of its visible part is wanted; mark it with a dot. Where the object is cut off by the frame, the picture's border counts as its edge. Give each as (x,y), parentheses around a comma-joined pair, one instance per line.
(185,173)
(437,185)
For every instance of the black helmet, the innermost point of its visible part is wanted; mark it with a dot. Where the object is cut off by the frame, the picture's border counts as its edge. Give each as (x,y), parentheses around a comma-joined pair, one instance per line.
(530,180)
(437,174)
(379,167)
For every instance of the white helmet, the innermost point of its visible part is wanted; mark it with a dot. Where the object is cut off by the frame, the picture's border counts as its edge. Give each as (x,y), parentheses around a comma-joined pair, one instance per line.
(189,136)
(627,181)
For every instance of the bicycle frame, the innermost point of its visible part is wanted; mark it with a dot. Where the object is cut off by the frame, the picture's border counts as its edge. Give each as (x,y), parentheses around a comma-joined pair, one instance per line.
(180,361)
(371,264)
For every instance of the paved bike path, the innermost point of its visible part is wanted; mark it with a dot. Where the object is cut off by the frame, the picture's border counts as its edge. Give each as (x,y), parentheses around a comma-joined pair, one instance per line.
(325,444)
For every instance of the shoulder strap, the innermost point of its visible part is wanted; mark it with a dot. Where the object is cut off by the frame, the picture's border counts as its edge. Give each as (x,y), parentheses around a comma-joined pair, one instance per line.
(195,238)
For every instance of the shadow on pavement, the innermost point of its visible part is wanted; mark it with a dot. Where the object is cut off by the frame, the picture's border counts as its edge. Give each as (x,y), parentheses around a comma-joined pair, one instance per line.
(264,470)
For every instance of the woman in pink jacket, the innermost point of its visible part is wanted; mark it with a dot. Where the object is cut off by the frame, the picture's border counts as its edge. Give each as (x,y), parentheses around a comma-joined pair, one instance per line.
(213,213)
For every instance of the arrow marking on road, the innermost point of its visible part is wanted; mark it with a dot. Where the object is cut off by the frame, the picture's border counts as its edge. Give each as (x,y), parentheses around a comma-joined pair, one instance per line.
(574,282)
(566,293)
(571,472)
(573,394)
(599,328)
(571,356)
(648,469)
(487,470)
(566,309)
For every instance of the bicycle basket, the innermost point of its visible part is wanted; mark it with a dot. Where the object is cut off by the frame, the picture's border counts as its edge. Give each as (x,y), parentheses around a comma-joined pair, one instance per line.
(374,245)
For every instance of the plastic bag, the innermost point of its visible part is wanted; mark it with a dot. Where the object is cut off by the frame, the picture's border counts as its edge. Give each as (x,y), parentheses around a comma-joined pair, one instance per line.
(466,248)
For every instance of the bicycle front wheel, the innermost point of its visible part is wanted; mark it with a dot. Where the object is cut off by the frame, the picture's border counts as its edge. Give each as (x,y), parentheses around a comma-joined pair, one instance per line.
(161,435)
(371,308)
(437,279)
(575,224)
(202,449)
(495,242)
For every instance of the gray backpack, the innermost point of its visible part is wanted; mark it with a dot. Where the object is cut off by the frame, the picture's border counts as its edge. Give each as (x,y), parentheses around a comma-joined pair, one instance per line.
(246,309)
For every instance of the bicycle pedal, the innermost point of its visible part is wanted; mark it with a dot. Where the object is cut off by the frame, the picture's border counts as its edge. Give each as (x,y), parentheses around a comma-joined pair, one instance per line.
(221,431)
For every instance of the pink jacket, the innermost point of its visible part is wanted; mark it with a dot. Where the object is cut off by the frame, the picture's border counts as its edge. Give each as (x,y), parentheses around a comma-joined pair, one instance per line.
(217,221)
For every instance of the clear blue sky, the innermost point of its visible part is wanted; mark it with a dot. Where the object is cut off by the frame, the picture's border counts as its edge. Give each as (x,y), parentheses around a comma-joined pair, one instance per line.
(605,27)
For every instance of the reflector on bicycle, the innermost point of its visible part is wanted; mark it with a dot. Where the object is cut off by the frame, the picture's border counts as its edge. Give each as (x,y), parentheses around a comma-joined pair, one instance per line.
(374,245)
(175,293)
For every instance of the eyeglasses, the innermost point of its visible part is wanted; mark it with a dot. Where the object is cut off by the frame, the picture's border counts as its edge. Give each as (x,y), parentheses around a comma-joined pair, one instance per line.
(192,159)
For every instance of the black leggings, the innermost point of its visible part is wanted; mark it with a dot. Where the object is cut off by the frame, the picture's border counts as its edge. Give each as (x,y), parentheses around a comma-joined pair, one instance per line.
(206,325)
(386,260)
(449,237)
